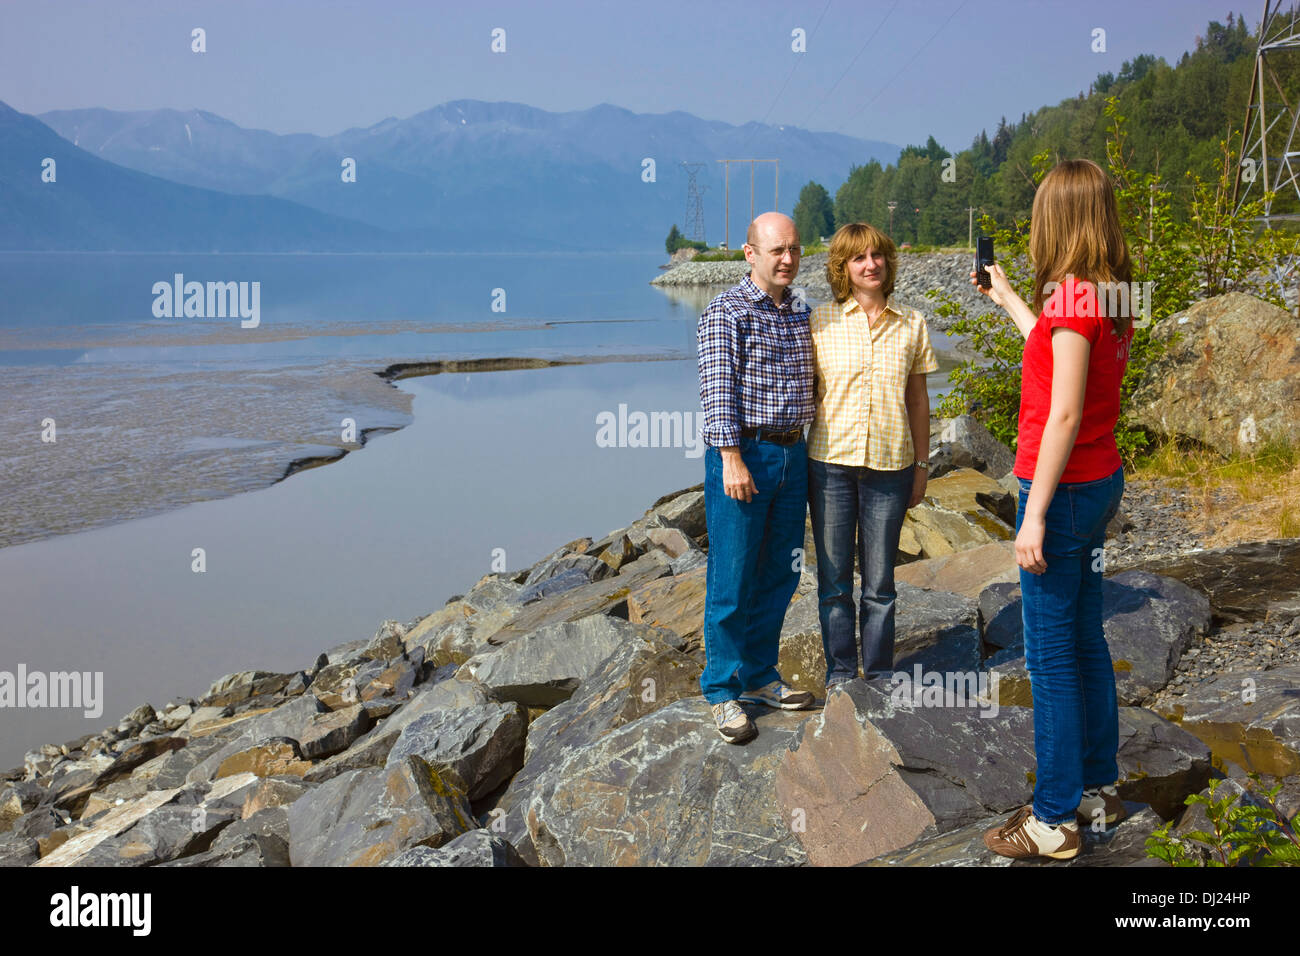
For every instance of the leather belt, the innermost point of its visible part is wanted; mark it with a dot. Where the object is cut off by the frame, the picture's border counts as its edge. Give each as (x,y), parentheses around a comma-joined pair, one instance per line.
(780,438)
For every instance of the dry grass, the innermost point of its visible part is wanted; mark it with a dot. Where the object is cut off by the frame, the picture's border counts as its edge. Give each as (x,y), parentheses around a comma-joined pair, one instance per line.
(1241,499)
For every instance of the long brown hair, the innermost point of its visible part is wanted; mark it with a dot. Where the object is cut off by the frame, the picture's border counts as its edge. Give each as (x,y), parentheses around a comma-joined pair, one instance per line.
(850,241)
(1075,231)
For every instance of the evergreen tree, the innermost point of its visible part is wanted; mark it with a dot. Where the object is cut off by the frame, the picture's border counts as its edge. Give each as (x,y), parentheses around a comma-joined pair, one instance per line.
(814,213)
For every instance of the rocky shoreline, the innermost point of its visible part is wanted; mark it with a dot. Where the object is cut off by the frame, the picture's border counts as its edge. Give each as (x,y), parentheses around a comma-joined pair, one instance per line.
(551,715)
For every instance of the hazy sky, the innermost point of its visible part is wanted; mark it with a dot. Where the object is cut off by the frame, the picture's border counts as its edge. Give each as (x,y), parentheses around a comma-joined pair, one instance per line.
(879,69)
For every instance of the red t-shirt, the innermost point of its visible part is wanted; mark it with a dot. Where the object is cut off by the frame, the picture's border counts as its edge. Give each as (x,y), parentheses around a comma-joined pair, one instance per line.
(1073,306)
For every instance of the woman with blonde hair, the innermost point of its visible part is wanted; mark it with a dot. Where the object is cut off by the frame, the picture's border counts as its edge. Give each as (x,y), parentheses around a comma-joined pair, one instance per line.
(867,446)
(1071,482)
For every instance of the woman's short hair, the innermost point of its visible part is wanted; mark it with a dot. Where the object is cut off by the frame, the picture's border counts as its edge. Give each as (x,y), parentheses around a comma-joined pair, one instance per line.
(1075,231)
(851,241)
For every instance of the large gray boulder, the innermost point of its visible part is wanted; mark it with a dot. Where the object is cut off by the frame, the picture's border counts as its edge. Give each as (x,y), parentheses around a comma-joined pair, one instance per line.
(545,667)
(364,817)
(483,745)
(642,676)
(962,442)
(1229,376)
(667,790)
(1246,582)
(1148,621)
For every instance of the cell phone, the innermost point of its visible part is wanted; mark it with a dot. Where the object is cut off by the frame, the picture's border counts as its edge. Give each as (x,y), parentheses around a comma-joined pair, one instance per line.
(984,259)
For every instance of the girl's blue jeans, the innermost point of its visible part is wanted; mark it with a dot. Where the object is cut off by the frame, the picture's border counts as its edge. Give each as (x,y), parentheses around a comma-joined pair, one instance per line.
(1076,720)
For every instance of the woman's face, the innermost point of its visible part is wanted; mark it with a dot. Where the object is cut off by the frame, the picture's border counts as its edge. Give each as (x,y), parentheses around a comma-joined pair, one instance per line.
(867,271)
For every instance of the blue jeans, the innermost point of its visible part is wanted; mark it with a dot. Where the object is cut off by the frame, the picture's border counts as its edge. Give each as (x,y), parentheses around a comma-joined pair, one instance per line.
(753,565)
(1076,720)
(857,509)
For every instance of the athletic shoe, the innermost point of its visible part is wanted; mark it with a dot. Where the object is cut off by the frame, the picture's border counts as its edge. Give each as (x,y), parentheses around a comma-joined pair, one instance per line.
(777,694)
(1023,837)
(1107,800)
(733,723)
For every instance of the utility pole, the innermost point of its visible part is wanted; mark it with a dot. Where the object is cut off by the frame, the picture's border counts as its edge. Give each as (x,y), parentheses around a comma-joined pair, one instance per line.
(970,227)
(892,204)
(776,189)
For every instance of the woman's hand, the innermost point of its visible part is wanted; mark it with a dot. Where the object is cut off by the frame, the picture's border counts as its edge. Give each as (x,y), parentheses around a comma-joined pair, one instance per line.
(919,481)
(1029,545)
(999,290)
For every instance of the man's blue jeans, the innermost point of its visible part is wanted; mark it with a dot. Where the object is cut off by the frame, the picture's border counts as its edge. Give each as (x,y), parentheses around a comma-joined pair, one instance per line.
(1076,720)
(863,507)
(755,559)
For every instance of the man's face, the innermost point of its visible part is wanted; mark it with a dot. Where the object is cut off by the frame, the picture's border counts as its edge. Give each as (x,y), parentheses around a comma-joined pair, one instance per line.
(774,260)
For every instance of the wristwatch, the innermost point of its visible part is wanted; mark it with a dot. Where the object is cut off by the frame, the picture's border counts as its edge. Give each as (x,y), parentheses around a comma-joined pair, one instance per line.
(923,464)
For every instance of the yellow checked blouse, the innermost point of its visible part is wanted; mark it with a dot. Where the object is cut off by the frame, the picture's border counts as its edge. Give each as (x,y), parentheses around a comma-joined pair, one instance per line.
(861,373)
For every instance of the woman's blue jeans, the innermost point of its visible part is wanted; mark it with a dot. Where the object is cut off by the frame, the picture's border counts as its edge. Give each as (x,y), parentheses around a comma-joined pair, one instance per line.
(1076,720)
(862,510)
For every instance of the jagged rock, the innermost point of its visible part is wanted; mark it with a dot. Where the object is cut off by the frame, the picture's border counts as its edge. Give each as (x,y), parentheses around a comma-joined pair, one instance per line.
(545,667)
(258,840)
(491,591)
(1121,845)
(642,676)
(1148,621)
(288,721)
(431,629)
(1248,718)
(672,541)
(116,821)
(1229,377)
(962,442)
(389,642)
(556,584)
(363,817)
(966,572)
(484,745)
(167,833)
(962,510)
(689,562)
(801,659)
(475,848)
(1247,582)
(372,749)
(395,680)
(141,717)
(1159,762)
(17,798)
(607,596)
(234,688)
(18,851)
(684,511)
(667,790)
(675,603)
(1000,622)
(274,757)
(867,776)
(330,733)
(269,792)
(935,629)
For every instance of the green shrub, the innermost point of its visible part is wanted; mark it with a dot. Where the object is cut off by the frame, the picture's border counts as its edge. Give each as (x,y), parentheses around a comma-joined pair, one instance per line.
(1252,834)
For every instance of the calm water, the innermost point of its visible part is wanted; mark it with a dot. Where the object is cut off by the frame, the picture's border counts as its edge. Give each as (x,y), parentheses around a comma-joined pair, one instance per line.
(171,434)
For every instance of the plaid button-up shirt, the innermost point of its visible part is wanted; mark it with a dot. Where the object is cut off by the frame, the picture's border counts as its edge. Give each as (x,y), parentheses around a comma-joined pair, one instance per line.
(756,367)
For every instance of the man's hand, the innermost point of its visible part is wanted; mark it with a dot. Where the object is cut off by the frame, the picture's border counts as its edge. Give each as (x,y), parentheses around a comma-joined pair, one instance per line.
(919,481)
(736,479)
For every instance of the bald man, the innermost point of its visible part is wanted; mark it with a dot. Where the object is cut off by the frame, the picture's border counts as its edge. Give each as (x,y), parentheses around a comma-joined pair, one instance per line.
(756,386)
